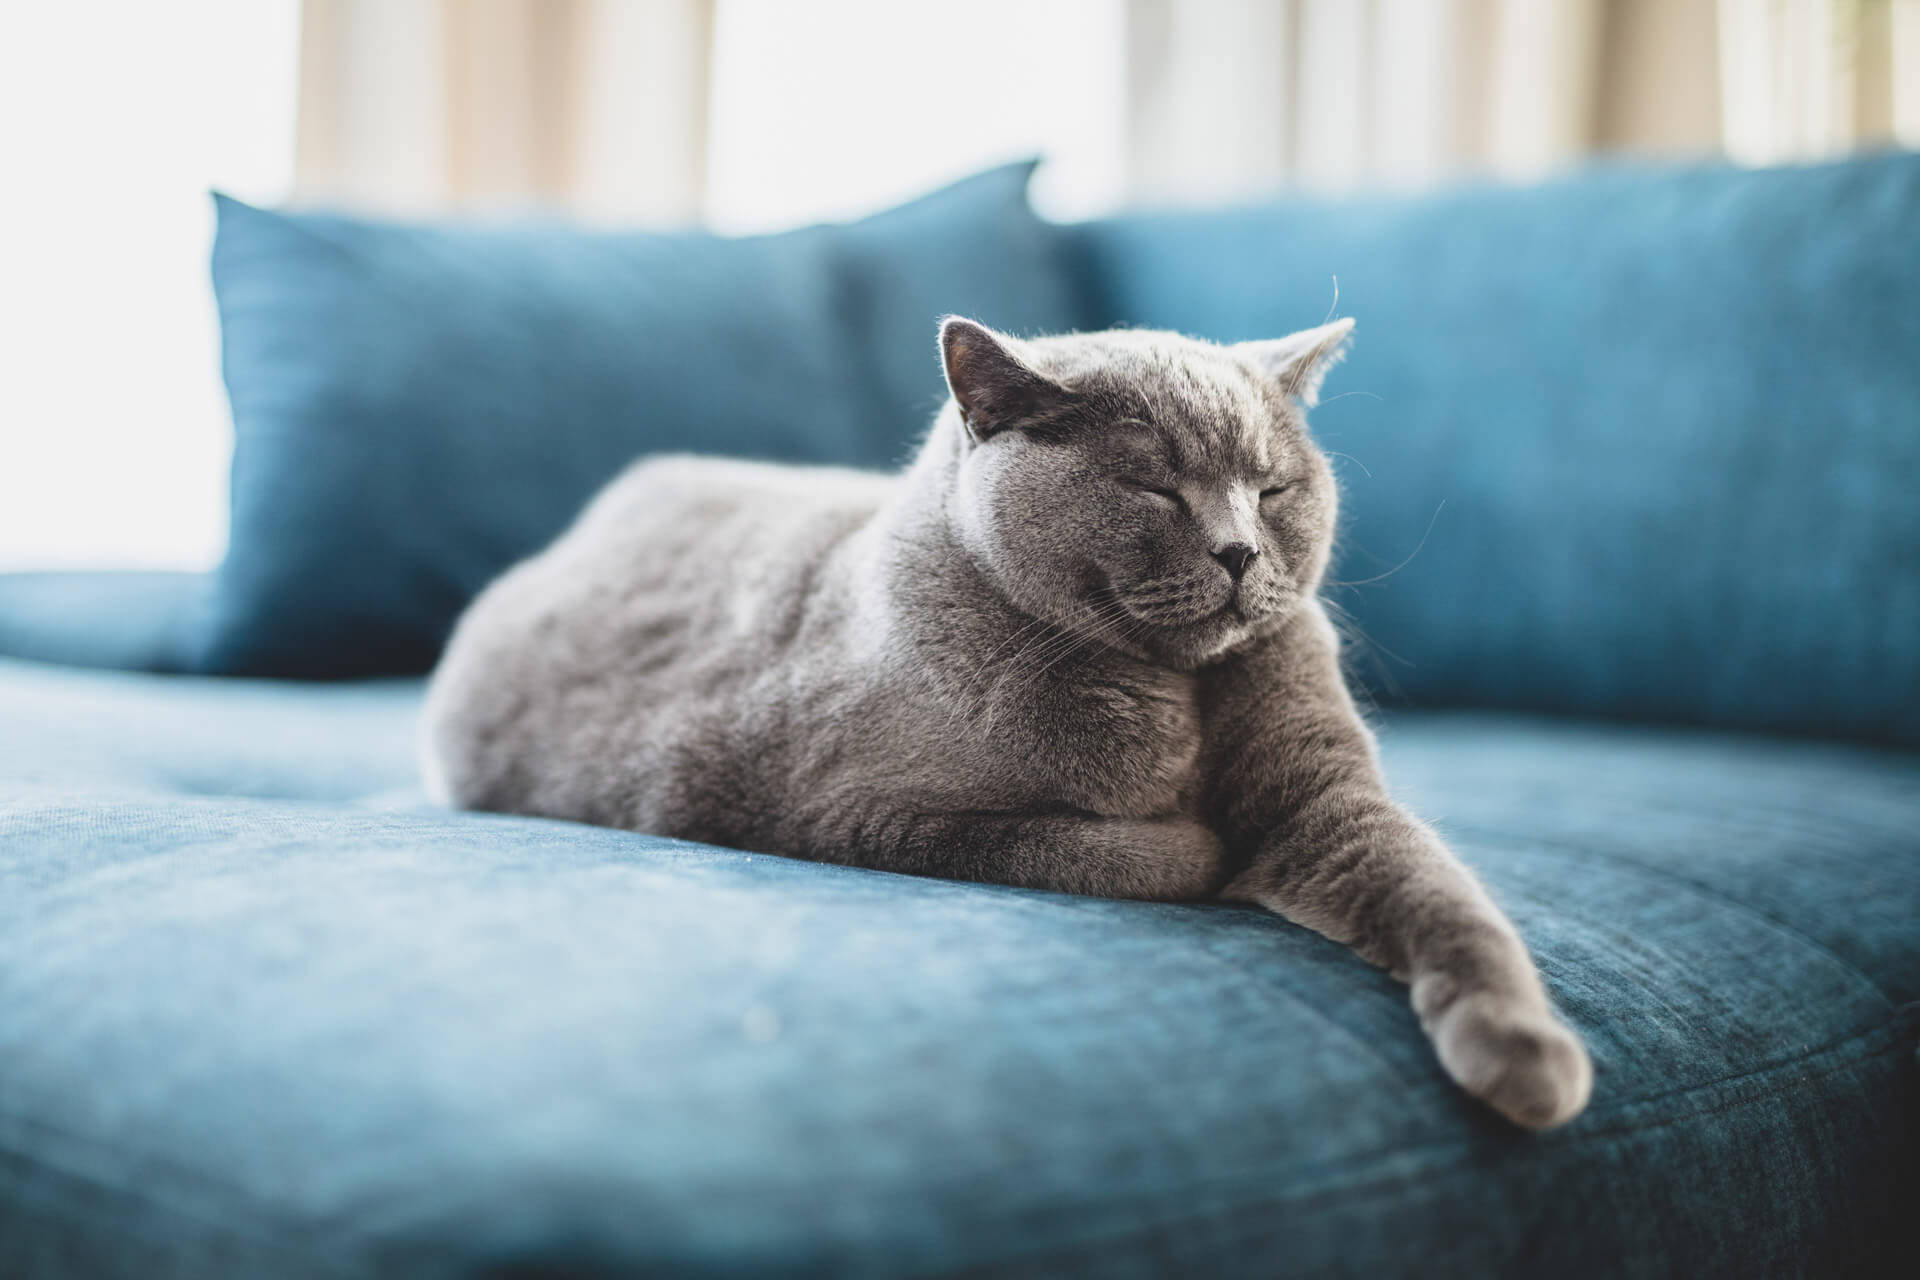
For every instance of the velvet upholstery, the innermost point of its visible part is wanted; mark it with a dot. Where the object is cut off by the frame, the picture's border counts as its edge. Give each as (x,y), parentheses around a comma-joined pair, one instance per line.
(417,406)
(128,620)
(264,1012)
(1645,443)
(1636,443)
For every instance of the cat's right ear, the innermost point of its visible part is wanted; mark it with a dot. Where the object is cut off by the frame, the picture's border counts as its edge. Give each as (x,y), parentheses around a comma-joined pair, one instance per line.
(995,389)
(1299,361)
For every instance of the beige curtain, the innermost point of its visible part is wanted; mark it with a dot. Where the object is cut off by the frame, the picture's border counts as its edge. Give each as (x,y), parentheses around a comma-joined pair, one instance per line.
(1234,97)
(1808,78)
(600,108)
(597,108)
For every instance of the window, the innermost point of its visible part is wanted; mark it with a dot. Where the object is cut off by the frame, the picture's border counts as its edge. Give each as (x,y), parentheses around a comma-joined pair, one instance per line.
(797,135)
(115,119)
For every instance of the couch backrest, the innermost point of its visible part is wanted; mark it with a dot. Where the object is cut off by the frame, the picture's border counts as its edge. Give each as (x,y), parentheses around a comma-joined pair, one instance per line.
(1636,443)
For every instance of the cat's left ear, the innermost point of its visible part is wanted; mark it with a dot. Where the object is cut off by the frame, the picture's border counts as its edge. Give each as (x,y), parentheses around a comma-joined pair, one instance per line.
(1299,361)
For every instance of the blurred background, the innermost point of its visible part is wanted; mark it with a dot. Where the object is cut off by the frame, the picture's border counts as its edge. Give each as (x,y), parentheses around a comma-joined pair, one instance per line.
(755,115)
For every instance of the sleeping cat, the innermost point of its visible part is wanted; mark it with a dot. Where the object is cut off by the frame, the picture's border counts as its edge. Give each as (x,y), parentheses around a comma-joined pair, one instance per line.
(1077,646)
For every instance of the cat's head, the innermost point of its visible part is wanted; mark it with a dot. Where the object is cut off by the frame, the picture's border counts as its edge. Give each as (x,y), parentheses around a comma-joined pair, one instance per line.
(1158,492)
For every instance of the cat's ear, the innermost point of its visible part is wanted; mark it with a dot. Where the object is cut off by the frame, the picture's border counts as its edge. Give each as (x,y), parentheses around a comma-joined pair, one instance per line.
(1299,361)
(994,387)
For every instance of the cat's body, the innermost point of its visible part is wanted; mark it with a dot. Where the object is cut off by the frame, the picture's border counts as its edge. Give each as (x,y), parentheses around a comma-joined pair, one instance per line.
(1076,646)
(768,699)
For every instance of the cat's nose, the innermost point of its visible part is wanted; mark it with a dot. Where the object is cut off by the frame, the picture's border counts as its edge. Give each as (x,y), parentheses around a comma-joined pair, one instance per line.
(1236,556)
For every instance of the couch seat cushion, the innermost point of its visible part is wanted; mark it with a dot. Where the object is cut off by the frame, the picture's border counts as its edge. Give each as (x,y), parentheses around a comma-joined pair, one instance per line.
(320,1030)
(130,621)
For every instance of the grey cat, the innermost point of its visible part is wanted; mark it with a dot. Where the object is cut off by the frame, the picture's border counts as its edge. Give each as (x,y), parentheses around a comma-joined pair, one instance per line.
(1076,646)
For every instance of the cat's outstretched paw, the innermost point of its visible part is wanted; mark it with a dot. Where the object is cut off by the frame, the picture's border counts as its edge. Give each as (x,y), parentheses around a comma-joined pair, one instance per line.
(1515,1057)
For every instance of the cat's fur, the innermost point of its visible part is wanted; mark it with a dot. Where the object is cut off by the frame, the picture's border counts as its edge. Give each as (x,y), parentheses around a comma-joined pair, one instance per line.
(1026,661)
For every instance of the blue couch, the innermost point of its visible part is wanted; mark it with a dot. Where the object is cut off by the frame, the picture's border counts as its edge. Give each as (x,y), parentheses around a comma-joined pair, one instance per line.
(1632,563)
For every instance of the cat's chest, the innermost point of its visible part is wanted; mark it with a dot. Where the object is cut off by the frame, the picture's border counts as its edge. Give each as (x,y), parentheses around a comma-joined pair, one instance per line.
(1119,739)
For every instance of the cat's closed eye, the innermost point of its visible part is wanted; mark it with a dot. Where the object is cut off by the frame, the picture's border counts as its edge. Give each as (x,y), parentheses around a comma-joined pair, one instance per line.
(1158,492)
(1274,491)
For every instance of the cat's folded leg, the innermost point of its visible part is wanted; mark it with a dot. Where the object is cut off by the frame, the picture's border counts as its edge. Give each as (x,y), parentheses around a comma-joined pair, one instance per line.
(1161,859)
(1301,800)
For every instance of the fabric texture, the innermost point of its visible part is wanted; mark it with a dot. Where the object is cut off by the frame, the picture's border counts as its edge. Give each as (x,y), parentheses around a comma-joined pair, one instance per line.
(416,407)
(129,621)
(1633,444)
(265,1012)
(259,1017)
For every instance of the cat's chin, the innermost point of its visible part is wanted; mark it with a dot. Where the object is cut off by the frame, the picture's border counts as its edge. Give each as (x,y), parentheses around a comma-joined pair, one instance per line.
(1194,645)
(1187,644)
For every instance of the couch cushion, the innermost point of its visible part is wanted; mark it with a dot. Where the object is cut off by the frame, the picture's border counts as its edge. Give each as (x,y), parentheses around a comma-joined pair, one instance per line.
(1635,443)
(416,407)
(244,1036)
(129,621)
(273,739)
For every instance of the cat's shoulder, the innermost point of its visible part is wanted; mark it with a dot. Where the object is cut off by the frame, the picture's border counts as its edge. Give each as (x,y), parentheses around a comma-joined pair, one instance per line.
(670,504)
(682,479)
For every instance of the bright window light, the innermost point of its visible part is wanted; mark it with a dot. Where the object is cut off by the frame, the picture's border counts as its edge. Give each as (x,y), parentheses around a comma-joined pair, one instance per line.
(115,119)
(836,108)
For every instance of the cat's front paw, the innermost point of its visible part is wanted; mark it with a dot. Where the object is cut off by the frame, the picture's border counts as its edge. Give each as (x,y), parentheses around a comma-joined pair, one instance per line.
(1515,1057)
(1176,859)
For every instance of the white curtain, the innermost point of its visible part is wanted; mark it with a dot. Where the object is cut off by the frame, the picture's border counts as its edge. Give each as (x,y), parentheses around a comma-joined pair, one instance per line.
(594,107)
(1231,97)
(752,114)
(115,118)
(608,108)
(1807,78)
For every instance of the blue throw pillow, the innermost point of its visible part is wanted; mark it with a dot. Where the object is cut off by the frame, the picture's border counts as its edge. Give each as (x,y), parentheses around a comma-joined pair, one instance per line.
(1635,443)
(417,407)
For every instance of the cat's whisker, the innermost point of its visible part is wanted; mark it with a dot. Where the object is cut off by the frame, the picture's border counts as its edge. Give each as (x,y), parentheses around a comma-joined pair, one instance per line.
(978,677)
(1382,577)
(1033,648)
(1041,651)
(1027,667)
(1138,626)
(1351,632)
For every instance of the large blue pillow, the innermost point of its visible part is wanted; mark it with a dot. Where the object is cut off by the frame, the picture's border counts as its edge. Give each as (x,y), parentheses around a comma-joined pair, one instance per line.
(416,407)
(1636,443)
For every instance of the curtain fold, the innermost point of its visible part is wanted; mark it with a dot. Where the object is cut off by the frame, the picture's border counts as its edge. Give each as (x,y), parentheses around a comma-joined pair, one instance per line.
(1401,93)
(594,107)
(1809,78)
(601,108)
(1234,97)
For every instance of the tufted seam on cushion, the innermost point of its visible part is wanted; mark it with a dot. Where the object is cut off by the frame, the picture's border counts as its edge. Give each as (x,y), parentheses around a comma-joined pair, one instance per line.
(1294,995)
(1895,1035)
(1893,1031)
(1615,858)
(1619,938)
